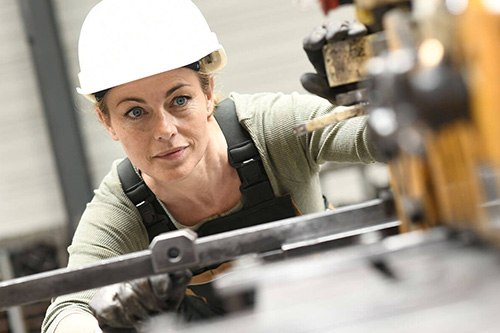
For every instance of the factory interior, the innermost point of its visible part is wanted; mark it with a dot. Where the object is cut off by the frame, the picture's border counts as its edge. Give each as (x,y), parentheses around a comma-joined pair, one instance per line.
(410,243)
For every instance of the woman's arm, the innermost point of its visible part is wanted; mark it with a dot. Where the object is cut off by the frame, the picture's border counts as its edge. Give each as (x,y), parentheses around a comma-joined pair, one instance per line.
(110,226)
(78,323)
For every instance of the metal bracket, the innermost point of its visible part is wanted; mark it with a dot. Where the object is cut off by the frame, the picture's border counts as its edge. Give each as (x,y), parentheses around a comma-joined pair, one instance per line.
(174,249)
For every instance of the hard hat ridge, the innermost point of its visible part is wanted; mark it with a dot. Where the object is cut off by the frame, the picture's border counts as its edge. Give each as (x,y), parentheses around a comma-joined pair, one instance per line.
(126,40)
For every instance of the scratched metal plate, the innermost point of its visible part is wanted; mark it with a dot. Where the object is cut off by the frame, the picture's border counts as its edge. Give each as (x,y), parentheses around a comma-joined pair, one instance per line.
(345,60)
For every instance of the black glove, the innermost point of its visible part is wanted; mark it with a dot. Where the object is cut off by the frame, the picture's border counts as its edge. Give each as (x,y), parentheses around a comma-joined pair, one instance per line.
(125,307)
(334,31)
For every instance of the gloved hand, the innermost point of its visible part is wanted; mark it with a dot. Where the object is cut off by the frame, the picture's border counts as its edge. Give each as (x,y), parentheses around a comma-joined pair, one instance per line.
(126,306)
(333,31)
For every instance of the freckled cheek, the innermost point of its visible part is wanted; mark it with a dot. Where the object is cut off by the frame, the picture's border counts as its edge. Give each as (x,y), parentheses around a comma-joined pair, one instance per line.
(133,139)
(194,128)
(138,128)
(201,137)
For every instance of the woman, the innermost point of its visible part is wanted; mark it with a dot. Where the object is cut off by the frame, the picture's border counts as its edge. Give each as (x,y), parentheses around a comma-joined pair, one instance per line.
(148,65)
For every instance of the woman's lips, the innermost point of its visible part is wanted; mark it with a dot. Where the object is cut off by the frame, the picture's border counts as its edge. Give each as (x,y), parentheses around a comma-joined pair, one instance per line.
(171,154)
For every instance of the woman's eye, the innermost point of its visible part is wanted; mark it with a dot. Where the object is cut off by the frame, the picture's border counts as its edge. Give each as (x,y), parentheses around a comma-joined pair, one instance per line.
(135,112)
(181,100)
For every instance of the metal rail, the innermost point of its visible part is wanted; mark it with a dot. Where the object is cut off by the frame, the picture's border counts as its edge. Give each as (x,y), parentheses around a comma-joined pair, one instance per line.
(182,249)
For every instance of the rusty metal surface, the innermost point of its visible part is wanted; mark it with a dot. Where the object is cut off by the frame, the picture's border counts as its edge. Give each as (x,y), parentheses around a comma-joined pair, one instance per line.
(344,61)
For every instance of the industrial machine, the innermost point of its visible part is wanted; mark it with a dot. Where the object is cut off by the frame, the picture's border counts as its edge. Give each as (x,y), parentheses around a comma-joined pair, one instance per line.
(427,73)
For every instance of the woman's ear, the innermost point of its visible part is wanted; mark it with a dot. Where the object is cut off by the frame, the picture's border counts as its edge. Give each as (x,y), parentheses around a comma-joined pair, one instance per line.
(107,123)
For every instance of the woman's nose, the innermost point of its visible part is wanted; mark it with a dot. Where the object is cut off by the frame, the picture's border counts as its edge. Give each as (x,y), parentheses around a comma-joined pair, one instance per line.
(165,126)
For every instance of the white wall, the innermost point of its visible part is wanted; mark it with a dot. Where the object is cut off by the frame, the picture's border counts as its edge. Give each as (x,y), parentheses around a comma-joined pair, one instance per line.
(30,197)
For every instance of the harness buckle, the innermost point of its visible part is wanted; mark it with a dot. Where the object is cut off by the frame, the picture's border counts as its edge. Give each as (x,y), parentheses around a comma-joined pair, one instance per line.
(147,211)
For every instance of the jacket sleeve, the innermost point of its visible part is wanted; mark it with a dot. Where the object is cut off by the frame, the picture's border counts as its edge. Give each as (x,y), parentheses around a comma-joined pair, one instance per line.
(272,118)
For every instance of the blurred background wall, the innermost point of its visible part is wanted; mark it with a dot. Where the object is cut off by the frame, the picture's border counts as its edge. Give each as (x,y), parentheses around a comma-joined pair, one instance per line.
(263,42)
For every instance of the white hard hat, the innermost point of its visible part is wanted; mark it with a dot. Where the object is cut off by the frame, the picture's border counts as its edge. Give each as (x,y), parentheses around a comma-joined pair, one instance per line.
(126,40)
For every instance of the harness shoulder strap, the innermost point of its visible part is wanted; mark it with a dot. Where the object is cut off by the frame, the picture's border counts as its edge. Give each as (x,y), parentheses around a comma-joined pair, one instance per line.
(153,216)
(243,156)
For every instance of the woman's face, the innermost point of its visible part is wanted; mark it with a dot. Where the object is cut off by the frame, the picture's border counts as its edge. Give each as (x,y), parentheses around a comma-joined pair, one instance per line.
(162,122)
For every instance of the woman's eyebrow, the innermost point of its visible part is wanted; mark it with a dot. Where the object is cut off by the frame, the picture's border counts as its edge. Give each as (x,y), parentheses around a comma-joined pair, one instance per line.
(173,89)
(140,100)
(132,99)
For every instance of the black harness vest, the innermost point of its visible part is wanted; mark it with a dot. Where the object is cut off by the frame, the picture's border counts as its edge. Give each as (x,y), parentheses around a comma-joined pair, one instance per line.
(260,203)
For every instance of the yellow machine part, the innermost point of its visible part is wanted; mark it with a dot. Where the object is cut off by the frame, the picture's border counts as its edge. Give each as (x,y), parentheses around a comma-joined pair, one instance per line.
(453,157)
(446,181)
(443,184)
(479,39)
(410,182)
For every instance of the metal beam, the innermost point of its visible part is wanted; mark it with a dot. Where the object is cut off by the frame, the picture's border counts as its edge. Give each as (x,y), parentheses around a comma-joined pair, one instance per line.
(173,251)
(58,105)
